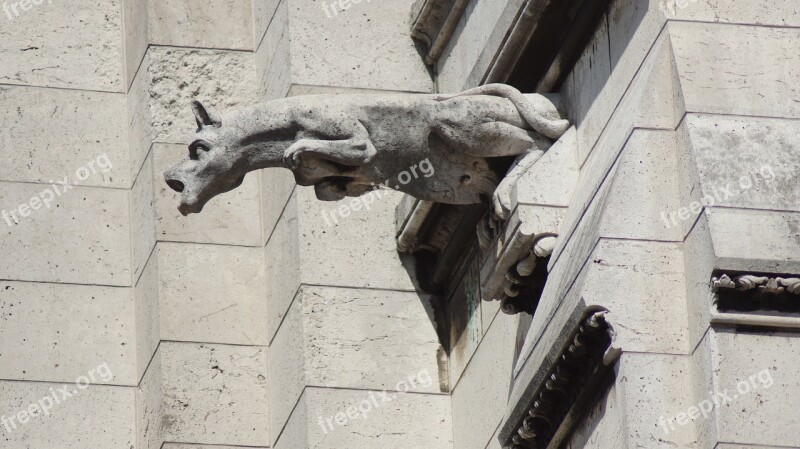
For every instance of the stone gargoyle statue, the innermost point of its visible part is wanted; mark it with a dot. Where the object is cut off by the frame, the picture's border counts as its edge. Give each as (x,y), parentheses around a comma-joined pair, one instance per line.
(347,145)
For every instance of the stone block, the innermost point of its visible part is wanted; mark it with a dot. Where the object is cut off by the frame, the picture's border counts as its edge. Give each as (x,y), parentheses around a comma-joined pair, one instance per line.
(591,74)
(135,26)
(110,424)
(75,45)
(226,400)
(699,261)
(232,219)
(150,408)
(763,172)
(642,285)
(645,200)
(781,13)
(140,138)
(479,399)
(82,238)
(732,69)
(148,322)
(277,186)
(388,339)
(64,135)
(57,332)
(212,293)
(143,216)
(755,241)
(754,376)
(223,24)
(406,421)
(220,79)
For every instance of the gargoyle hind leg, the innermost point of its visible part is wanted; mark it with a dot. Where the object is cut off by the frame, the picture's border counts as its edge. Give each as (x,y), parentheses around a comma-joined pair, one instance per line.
(354,151)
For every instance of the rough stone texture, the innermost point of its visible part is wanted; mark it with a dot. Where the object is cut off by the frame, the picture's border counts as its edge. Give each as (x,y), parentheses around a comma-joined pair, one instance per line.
(407,421)
(772,245)
(735,358)
(58,332)
(76,44)
(234,219)
(388,339)
(224,24)
(226,400)
(477,415)
(83,238)
(223,79)
(719,77)
(69,424)
(150,408)
(62,131)
(762,175)
(227,304)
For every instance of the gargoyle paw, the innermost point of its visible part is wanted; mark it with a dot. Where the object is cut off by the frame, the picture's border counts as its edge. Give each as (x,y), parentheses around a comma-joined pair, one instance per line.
(291,158)
(501,201)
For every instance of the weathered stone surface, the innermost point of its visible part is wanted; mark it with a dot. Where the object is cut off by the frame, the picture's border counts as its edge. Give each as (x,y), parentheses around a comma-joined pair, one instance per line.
(226,402)
(470,38)
(111,425)
(222,79)
(407,421)
(645,200)
(140,138)
(224,24)
(642,285)
(277,187)
(771,246)
(135,26)
(76,44)
(234,219)
(55,333)
(388,339)
(150,408)
(699,261)
(781,13)
(83,238)
(479,399)
(143,218)
(89,125)
(148,322)
(758,383)
(763,172)
(719,76)
(227,304)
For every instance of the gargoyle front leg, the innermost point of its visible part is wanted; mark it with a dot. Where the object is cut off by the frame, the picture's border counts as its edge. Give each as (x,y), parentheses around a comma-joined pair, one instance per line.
(502,195)
(355,151)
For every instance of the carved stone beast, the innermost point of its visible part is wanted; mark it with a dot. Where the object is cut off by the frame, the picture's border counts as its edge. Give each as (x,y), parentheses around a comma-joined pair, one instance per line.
(346,145)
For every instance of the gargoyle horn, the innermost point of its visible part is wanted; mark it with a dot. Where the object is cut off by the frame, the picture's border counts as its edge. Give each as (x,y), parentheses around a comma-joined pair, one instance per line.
(203,117)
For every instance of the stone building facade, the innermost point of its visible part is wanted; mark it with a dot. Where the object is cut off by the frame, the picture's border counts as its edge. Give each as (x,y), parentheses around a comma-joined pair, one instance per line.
(664,227)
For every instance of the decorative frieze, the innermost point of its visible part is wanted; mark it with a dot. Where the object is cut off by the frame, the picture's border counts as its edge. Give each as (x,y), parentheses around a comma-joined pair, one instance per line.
(761,284)
(573,381)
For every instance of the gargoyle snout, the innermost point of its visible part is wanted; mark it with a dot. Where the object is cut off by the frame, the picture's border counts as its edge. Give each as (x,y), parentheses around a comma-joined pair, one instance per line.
(173,182)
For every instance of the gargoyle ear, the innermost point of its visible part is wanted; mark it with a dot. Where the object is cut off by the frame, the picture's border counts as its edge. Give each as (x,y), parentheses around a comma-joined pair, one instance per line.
(203,117)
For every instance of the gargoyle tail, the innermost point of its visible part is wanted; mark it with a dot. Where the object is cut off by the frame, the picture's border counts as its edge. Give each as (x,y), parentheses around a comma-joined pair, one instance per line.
(552,128)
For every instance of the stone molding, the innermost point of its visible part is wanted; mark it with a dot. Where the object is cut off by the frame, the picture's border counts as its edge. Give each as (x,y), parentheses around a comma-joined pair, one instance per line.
(761,284)
(433,24)
(568,387)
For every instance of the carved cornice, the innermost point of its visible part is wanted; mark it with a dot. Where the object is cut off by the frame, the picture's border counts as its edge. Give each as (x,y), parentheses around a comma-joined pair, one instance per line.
(572,381)
(761,284)
(433,23)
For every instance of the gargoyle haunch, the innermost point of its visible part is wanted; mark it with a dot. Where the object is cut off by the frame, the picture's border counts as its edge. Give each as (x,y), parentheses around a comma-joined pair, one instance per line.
(346,145)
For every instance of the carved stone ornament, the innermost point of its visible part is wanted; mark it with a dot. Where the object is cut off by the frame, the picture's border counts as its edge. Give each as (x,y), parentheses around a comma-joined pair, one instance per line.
(761,284)
(572,383)
(349,145)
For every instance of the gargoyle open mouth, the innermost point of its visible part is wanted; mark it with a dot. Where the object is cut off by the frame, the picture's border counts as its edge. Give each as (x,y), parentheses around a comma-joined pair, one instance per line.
(333,188)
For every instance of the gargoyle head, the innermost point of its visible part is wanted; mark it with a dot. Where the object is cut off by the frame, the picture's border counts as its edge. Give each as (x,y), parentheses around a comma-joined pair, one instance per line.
(214,166)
